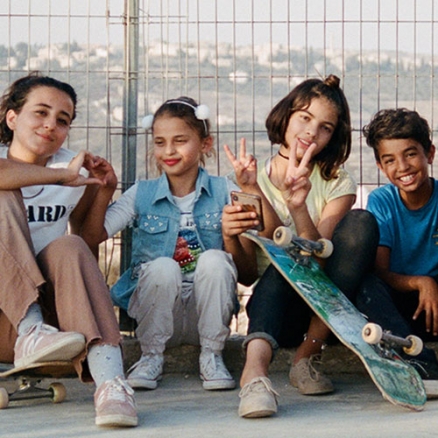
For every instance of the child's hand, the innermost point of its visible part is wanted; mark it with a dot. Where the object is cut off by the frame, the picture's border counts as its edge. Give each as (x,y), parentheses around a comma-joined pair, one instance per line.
(297,184)
(428,302)
(73,176)
(245,168)
(235,221)
(101,169)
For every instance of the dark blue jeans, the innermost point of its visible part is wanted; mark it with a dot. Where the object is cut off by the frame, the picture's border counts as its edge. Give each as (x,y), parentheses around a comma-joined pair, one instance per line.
(393,311)
(280,316)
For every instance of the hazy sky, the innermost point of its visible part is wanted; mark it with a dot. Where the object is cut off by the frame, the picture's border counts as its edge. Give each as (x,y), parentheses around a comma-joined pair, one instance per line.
(407,25)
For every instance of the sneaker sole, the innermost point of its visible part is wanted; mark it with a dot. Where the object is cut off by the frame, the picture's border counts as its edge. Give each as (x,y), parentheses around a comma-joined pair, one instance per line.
(214,385)
(315,391)
(116,421)
(64,351)
(302,391)
(138,383)
(258,414)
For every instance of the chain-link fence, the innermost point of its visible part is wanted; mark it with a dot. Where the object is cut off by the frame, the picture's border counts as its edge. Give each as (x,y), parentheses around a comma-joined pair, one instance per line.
(239,57)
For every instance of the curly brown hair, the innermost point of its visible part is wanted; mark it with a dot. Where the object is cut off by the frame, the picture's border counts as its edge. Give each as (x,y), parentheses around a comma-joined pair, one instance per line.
(388,124)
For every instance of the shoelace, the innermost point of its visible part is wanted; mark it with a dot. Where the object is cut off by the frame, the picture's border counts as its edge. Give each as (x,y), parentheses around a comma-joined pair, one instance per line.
(313,372)
(214,365)
(151,360)
(117,389)
(266,382)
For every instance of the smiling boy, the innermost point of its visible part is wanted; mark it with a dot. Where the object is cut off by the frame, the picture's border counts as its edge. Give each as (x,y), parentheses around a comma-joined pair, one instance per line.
(403,296)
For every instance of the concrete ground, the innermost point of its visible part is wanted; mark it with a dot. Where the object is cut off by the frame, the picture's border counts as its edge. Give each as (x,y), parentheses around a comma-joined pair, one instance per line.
(181,408)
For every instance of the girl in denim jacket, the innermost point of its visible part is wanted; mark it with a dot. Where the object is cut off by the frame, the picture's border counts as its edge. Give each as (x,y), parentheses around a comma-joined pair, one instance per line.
(181,285)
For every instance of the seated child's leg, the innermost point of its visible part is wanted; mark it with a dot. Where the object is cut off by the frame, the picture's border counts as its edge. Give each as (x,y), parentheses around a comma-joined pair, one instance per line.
(151,305)
(19,270)
(375,301)
(36,341)
(355,241)
(214,291)
(276,312)
(215,286)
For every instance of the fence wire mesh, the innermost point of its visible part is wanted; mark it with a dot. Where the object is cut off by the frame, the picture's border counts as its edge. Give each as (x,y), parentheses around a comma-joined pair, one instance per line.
(239,57)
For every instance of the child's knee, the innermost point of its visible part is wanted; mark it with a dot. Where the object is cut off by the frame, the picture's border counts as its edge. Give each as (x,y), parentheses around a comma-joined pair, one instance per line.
(216,262)
(162,268)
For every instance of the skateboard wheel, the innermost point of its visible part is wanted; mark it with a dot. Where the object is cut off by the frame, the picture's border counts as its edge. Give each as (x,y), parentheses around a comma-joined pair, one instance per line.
(58,392)
(416,346)
(372,333)
(327,249)
(283,236)
(4,398)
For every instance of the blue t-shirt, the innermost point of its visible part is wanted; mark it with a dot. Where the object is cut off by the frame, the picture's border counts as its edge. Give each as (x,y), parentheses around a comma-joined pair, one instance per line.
(412,235)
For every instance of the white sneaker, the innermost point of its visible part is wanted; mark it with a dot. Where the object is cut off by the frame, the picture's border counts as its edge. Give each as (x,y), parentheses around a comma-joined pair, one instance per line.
(146,372)
(213,371)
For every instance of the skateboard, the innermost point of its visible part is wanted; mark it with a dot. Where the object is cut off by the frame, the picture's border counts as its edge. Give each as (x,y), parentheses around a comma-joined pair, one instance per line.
(397,381)
(28,381)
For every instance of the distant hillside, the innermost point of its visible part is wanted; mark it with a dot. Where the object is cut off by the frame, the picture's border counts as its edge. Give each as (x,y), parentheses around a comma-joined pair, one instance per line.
(239,84)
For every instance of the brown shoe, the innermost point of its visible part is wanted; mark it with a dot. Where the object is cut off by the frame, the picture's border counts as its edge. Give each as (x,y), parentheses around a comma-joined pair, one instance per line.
(308,379)
(258,399)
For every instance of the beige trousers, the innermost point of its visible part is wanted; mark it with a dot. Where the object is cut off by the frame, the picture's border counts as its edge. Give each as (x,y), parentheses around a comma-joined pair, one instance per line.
(64,279)
(167,316)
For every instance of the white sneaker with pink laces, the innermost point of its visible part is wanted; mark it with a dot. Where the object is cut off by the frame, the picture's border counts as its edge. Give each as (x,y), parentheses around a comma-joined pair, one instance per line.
(115,405)
(44,343)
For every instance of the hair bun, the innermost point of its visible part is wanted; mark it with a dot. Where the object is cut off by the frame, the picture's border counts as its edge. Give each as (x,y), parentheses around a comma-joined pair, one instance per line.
(332,81)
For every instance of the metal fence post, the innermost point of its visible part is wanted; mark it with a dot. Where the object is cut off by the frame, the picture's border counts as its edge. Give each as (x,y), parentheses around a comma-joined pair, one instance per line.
(129,140)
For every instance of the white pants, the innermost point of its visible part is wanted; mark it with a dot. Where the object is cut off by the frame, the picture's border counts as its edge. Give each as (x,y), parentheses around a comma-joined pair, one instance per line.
(165,318)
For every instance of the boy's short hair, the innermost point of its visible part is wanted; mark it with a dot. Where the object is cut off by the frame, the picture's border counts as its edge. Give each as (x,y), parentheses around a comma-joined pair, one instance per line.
(398,123)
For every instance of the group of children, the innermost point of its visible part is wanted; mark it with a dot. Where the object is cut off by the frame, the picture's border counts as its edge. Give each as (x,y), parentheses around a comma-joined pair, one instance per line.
(188,252)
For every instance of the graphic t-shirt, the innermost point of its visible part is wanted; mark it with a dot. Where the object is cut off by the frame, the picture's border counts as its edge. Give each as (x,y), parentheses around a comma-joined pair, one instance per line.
(188,248)
(49,206)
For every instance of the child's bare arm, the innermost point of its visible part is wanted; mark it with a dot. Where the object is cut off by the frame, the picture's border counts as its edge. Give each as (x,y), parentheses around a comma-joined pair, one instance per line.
(16,175)
(92,228)
(234,222)
(245,169)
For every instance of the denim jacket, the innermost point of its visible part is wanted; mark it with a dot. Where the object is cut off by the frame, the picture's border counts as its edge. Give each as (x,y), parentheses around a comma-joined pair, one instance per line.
(155,230)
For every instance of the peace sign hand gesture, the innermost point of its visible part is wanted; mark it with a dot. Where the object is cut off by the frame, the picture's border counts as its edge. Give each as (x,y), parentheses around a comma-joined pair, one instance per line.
(297,185)
(245,168)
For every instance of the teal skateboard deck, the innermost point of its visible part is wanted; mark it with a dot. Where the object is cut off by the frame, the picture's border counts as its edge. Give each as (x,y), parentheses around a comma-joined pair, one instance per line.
(397,381)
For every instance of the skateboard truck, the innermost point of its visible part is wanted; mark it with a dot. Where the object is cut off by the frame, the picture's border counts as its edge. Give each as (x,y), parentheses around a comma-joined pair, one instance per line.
(301,249)
(28,390)
(28,381)
(373,334)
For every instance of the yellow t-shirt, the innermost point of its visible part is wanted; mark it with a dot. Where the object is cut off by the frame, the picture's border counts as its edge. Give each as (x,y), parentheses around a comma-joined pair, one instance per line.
(321,193)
